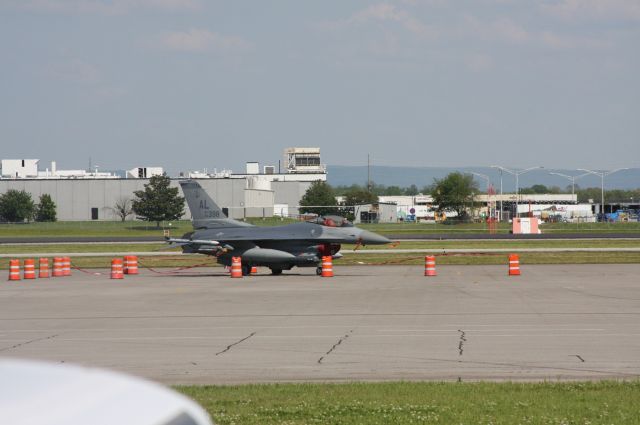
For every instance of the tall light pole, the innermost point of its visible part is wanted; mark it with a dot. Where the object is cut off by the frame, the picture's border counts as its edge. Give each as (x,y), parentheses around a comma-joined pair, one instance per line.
(602,175)
(573,180)
(516,173)
(484,176)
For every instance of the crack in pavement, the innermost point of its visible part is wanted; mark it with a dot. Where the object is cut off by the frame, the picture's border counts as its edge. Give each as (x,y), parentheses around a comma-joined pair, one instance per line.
(578,356)
(235,343)
(335,346)
(29,342)
(463,339)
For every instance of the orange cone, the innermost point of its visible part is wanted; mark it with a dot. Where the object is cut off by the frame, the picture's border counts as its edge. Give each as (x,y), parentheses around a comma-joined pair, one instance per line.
(254,270)
(327,266)
(130,264)
(514,265)
(116,269)
(236,267)
(14,269)
(29,268)
(58,267)
(44,268)
(66,266)
(430,265)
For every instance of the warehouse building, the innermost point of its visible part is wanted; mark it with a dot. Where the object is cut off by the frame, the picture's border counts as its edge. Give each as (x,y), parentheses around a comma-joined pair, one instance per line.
(93,196)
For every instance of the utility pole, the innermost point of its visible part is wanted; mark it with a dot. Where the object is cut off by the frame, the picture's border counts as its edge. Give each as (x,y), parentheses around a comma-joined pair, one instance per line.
(572,179)
(602,175)
(368,173)
(516,173)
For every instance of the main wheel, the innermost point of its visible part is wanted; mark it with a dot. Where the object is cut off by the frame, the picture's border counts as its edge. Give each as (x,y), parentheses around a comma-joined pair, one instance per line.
(246,270)
(319,271)
(275,271)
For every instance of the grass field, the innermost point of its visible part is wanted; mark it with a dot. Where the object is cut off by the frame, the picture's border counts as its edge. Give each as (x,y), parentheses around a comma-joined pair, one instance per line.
(138,228)
(421,403)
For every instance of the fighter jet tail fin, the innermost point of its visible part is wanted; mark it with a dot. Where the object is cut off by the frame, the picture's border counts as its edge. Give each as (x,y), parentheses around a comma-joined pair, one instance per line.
(205,212)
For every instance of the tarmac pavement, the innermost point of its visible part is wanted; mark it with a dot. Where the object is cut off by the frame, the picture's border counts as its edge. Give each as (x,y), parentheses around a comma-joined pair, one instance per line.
(367,323)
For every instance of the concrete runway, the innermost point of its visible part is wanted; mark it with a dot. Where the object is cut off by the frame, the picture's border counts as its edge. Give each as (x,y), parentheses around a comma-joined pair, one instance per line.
(367,323)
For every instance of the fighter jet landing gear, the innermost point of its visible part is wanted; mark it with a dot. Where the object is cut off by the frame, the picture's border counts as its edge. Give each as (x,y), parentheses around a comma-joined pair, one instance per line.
(319,271)
(275,271)
(246,269)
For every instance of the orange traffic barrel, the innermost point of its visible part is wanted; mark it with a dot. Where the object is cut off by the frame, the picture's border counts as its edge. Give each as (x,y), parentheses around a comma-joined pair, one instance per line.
(327,266)
(66,266)
(116,269)
(254,270)
(44,268)
(58,266)
(514,265)
(236,267)
(14,269)
(430,265)
(130,264)
(29,268)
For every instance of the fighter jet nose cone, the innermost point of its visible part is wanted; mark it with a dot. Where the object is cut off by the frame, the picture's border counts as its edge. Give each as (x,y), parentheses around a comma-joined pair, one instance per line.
(370,238)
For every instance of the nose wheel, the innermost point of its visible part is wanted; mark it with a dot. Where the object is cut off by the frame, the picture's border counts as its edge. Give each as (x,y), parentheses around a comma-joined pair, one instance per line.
(246,269)
(318,271)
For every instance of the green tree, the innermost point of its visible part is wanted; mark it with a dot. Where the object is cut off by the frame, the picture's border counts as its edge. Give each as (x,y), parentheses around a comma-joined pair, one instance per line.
(158,201)
(535,189)
(394,191)
(455,192)
(359,196)
(16,206)
(46,209)
(411,190)
(319,199)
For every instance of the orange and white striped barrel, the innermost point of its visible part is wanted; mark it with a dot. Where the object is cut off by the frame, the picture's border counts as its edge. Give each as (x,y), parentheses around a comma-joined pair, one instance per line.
(44,268)
(327,266)
(58,267)
(430,265)
(514,265)
(130,264)
(116,269)
(236,267)
(29,268)
(14,269)
(66,266)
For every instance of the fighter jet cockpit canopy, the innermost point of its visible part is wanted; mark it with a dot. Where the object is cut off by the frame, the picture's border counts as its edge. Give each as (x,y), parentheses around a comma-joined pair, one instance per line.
(331,221)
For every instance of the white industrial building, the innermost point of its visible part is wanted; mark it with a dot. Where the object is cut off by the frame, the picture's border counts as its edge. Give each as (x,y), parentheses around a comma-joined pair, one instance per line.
(83,195)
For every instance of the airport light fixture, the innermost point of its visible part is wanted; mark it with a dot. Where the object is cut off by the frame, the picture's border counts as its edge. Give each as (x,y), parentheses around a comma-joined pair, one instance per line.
(484,176)
(516,173)
(572,178)
(602,175)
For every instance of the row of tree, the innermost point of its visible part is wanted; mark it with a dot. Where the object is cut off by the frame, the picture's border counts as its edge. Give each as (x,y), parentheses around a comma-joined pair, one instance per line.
(18,206)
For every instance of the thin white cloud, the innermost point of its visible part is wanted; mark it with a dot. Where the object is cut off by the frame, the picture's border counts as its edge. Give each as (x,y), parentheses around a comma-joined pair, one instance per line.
(383,12)
(76,71)
(501,29)
(508,31)
(101,7)
(200,40)
(594,9)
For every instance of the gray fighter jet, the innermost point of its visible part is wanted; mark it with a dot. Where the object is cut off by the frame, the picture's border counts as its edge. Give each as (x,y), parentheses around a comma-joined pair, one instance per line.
(280,248)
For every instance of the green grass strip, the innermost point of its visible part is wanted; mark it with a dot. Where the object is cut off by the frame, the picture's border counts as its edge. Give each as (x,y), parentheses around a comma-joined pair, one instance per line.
(400,403)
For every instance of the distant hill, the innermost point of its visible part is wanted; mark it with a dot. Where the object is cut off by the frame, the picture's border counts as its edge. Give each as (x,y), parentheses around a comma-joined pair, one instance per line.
(421,176)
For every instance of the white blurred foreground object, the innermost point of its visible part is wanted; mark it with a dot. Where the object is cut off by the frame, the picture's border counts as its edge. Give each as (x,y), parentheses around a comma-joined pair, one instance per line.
(38,393)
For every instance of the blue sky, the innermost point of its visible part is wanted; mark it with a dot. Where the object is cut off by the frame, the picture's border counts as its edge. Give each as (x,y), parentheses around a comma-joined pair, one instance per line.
(192,84)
